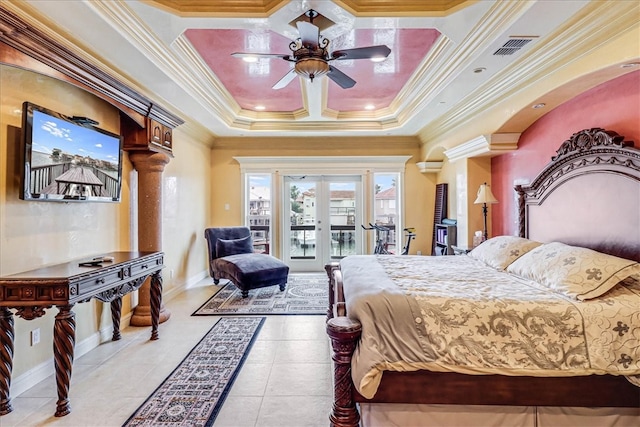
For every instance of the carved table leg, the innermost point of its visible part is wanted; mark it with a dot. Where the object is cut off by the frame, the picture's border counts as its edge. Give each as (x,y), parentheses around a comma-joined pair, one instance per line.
(116,311)
(156,302)
(344,334)
(6,358)
(64,339)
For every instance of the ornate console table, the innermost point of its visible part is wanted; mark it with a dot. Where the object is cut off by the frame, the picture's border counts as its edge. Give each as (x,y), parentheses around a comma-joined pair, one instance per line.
(64,285)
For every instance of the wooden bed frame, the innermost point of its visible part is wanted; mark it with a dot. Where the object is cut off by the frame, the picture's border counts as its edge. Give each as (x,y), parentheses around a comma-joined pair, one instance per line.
(592,154)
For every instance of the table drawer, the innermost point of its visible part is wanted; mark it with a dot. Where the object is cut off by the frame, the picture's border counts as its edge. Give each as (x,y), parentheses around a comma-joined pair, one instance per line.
(92,284)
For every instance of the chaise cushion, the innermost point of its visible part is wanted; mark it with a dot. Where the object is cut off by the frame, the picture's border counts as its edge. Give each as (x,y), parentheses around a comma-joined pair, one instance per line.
(234,246)
(250,271)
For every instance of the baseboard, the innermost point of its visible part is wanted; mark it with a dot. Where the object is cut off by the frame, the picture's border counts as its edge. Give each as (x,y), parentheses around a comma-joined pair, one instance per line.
(46,369)
(197,278)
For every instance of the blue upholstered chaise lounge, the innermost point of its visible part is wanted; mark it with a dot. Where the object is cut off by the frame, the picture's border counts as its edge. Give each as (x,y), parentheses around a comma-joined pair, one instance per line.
(231,256)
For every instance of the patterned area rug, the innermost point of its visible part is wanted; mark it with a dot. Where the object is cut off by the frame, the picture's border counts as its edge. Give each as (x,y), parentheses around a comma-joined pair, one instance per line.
(195,391)
(306,293)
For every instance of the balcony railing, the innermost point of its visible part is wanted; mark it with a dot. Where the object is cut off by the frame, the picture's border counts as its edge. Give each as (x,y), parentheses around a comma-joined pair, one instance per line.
(303,240)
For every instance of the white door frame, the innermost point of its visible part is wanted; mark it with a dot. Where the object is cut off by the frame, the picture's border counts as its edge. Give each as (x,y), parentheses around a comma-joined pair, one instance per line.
(279,166)
(322,242)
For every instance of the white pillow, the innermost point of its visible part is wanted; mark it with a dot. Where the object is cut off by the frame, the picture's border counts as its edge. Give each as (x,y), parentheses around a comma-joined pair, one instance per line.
(578,272)
(498,252)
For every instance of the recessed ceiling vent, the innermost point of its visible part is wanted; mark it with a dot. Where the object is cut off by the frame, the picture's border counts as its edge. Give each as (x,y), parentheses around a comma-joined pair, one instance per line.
(512,46)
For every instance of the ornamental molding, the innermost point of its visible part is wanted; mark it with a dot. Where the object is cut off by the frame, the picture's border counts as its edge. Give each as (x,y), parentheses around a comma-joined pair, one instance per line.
(484,145)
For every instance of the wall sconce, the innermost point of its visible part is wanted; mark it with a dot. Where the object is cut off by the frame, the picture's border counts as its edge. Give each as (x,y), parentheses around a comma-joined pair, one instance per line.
(485,196)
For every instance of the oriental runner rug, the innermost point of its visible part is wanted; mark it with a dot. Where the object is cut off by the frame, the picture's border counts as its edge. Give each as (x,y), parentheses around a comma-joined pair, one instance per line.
(306,293)
(194,392)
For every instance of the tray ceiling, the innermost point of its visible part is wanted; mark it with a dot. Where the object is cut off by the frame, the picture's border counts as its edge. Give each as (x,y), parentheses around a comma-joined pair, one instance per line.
(450,62)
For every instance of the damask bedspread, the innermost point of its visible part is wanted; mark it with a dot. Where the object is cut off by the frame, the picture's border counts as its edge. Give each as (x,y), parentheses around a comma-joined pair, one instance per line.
(456,314)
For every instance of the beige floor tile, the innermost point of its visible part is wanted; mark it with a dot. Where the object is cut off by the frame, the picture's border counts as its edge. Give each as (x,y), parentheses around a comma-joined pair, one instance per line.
(251,380)
(290,356)
(294,411)
(239,411)
(295,379)
(316,351)
(262,352)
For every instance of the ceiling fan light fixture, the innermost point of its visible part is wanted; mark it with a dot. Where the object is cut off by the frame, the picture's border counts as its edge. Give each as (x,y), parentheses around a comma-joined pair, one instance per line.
(250,59)
(311,67)
(378,58)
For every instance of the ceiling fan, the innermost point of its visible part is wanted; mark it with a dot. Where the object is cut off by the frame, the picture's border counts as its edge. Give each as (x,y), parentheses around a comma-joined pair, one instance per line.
(311,56)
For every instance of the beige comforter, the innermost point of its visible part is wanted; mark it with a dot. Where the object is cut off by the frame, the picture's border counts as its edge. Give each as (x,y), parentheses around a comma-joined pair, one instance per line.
(456,314)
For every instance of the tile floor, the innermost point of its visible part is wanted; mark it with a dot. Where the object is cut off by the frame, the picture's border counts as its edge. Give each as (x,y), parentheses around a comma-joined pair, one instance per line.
(285,381)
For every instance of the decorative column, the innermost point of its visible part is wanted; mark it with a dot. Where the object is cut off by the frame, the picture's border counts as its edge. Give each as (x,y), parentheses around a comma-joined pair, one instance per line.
(150,166)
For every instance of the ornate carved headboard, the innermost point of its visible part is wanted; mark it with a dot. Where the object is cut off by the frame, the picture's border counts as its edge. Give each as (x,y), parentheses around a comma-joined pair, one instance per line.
(588,195)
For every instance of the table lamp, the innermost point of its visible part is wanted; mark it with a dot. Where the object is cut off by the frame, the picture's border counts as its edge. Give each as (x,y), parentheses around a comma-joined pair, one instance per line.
(485,196)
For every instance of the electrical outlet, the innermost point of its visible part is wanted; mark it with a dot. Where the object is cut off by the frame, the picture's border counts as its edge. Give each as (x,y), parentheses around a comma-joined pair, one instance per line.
(35,336)
(171,274)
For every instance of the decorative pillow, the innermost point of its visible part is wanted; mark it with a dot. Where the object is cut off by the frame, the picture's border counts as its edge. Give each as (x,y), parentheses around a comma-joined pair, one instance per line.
(578,272)
(498,252)
(234,246)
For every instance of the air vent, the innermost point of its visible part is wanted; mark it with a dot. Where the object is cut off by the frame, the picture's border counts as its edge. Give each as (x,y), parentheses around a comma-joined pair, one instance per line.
(512,46)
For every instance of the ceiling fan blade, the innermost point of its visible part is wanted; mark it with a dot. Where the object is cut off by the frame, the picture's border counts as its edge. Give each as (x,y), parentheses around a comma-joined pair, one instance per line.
(260,55)
(284,81)
(380,51)
(309,34)
(341,79)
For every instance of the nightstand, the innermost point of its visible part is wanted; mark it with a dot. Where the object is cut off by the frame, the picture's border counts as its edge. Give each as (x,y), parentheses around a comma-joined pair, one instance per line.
(459,250)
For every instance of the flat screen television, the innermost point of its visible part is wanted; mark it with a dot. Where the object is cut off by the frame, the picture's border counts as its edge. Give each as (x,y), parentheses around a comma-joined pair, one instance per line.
(68,159)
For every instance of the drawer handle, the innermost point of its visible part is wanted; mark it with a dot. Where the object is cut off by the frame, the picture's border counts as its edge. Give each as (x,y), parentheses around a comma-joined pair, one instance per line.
(101,280)
(144,266)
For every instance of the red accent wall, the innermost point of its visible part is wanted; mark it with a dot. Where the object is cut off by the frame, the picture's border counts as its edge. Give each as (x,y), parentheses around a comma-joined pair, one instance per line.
(614,105)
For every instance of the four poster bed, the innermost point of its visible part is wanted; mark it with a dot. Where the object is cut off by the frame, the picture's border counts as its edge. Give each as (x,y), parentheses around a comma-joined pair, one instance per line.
(538,320)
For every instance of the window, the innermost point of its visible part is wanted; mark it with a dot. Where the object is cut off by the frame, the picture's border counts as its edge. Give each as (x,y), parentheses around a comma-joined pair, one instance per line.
(259,210)
(386,195)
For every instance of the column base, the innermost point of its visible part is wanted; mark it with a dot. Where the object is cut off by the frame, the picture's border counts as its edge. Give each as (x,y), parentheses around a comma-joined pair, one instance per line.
(142,315)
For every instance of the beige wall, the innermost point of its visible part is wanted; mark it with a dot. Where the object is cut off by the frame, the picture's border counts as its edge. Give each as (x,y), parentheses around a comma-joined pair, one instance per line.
(226,175)
(186,211)
(35,234)
(464,177)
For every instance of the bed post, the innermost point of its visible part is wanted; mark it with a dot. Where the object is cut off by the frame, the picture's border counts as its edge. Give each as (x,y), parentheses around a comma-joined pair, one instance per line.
(522,231)
(344,334)
(330,268)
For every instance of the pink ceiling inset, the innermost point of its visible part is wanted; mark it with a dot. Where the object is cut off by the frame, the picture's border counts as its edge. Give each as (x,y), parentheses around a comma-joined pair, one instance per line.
(378,84)
(250,84)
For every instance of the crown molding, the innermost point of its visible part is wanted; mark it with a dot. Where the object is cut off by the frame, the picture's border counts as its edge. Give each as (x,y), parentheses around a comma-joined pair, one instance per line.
(37,41)
(429,167)
(322,164)
(484,145)
(588,30)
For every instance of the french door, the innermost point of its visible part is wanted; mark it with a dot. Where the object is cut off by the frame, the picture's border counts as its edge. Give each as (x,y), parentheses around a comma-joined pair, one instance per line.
(319,224)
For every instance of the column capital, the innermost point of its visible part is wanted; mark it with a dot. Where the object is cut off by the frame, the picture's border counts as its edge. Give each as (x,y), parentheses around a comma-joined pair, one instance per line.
(149,161)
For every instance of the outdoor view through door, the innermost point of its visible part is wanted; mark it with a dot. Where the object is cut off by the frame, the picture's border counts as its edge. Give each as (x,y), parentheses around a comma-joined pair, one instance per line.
(323,218)
(323,214)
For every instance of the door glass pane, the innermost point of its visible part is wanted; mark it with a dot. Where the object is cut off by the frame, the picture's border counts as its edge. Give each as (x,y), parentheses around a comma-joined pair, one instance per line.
(303,219)
(385,207)
(259,210)
(342,211)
